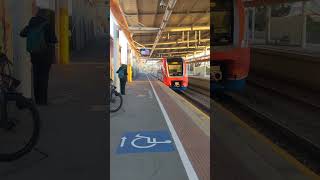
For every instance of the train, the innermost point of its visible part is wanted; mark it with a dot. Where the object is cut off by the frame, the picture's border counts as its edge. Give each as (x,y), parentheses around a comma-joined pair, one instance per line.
(230,60)
(173,73)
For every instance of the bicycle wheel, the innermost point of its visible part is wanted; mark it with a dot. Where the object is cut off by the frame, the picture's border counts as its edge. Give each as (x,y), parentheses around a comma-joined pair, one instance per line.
(115,101)
(22,131)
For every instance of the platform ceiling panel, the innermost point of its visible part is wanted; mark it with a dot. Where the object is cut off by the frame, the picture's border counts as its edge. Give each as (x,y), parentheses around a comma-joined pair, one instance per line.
(147,21)
(130,7)
(148,14)
(147,6)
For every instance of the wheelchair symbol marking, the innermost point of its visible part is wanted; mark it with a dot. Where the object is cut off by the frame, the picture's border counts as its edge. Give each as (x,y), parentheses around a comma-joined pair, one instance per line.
(149,141)
(152,142)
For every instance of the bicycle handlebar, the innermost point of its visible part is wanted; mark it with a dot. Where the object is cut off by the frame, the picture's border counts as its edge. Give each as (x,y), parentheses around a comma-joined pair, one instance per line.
(10,82)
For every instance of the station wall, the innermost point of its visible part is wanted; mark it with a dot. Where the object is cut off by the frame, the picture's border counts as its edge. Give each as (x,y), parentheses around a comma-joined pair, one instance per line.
(13,20)
(301,20)
(88,22)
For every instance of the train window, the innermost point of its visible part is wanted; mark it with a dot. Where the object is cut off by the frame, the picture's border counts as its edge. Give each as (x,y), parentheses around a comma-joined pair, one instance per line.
(191,67)
(175,68)
(222,16)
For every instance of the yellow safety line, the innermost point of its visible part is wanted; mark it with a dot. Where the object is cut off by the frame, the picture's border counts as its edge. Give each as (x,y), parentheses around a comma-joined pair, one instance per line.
(302,168)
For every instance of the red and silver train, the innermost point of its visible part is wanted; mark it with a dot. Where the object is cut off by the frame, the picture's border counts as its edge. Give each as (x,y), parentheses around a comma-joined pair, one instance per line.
(230,61)
(173,73)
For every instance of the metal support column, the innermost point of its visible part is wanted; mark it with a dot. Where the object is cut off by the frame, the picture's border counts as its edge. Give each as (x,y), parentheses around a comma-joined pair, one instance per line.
(268,33)
(116,55)
(129,65)
(253,23)
(57,30)
(129,73)
(64,33)
(304,26)
(18,17)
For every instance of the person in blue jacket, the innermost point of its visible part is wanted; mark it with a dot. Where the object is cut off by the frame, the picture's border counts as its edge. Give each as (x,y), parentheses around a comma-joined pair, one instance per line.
(122,74)
(42,51)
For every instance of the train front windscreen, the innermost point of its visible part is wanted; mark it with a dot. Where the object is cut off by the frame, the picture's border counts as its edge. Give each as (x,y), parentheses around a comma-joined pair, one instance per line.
(175,67)
(222,16)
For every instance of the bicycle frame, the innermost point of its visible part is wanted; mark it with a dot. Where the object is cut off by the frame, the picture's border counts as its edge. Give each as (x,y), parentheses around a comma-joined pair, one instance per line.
(112,89)
(3,109)
(114,95)
(5,97)
(7,90)
(8,93)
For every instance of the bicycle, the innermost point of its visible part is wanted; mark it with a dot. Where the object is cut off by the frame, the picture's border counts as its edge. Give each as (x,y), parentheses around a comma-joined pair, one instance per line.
(14,142)
(115,98)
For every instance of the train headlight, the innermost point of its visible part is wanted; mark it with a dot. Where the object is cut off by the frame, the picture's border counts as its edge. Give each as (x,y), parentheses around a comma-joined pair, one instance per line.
(216,73)
(217,76)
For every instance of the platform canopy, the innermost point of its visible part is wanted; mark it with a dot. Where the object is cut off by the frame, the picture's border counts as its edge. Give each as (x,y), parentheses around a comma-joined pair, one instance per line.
(176,28)
(253,3)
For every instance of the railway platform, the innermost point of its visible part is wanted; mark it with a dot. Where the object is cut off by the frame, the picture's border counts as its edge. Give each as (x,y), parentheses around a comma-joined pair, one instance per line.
(153,110)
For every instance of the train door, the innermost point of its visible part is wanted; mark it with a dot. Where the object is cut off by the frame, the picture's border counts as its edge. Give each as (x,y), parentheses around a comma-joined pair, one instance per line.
(249,26)
(224,36)
(184,66)
(161,73)
(2,26)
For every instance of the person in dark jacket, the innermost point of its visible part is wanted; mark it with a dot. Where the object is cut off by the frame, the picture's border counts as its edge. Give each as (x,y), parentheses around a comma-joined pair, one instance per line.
(122,73)
(41,61)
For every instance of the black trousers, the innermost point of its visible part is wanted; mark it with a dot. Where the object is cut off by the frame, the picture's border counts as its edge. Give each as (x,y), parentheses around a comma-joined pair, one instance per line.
(40,81)
(123,86)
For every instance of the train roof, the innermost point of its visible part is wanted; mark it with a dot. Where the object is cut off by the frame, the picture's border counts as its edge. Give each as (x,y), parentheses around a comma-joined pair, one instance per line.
(171,59)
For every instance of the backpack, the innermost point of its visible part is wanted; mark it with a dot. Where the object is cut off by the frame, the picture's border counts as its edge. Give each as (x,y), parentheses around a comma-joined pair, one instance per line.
(121,73)
(36,41)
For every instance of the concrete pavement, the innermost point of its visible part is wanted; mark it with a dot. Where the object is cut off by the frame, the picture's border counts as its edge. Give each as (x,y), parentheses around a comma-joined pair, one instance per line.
(74,130)
(140,112)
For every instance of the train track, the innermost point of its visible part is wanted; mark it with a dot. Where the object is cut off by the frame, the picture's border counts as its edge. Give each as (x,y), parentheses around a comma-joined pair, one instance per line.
(301,148)
(197,96)
(283,94)
(200,100)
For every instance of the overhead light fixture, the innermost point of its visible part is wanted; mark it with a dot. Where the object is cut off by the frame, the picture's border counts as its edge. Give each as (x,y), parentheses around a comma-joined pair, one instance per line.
(162,4)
